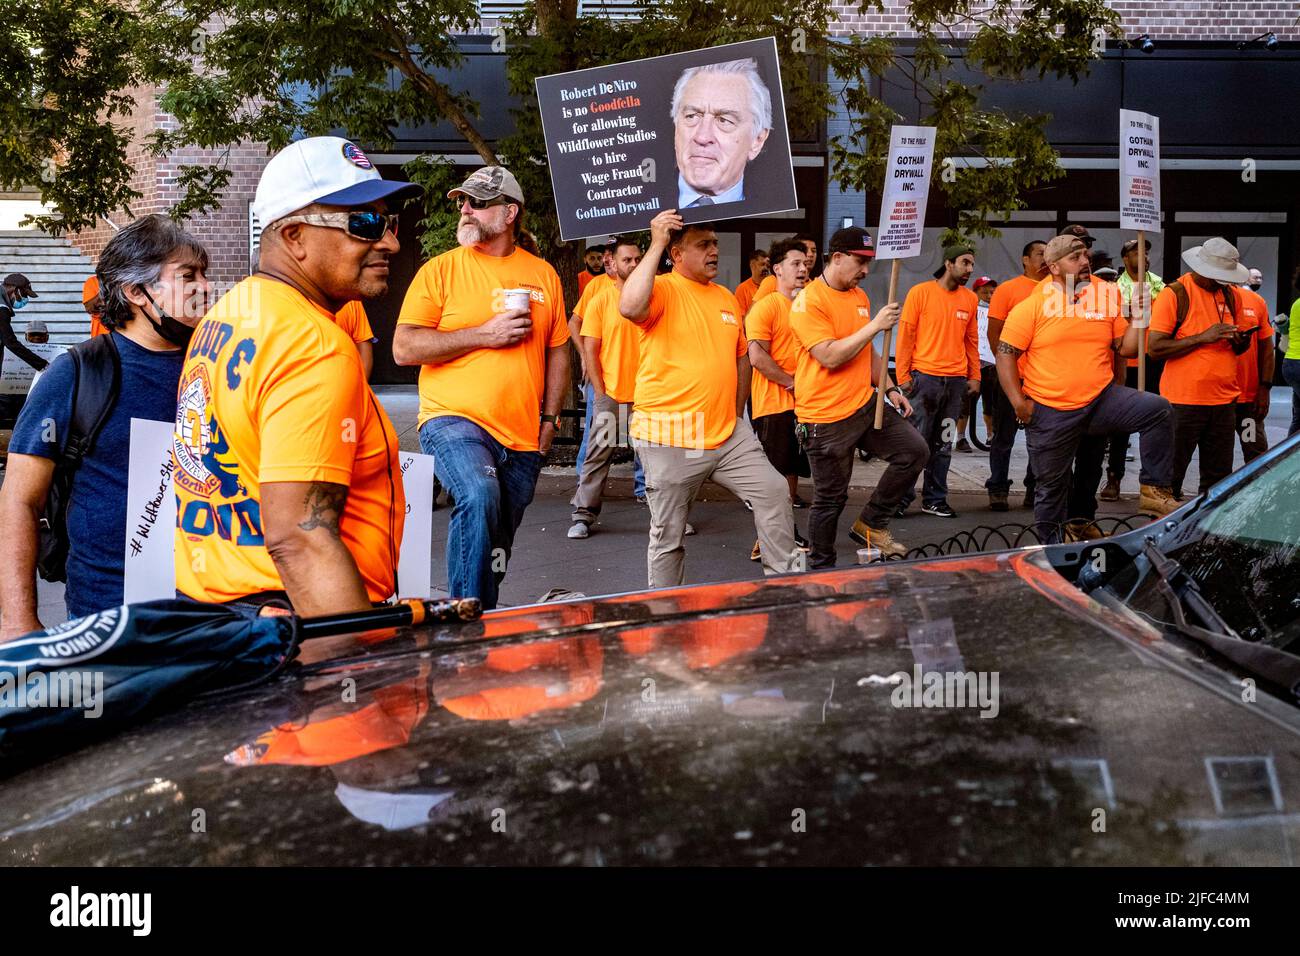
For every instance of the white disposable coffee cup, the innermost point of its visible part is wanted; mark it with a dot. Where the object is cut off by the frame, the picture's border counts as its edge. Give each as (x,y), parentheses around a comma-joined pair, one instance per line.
(868,555)
(518,299)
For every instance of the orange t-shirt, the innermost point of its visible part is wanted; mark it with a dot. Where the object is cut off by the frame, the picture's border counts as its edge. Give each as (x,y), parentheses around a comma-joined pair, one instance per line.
(1207,375)
(1254,308)
(500,390)
(1010,294)
(584,279)
(766,287)
(1068,348)
(938,332)
(745,294)
(620,343)
(272,390)
(594,286)
(820,313)
(769,321)
(686,379)
(352,319)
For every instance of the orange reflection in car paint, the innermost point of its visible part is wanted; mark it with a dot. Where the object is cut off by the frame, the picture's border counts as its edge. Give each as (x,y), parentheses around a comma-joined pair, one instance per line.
(580,657)
(387,722)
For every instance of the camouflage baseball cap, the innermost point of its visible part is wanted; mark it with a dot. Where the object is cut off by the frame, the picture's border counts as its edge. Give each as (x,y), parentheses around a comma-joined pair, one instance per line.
(489,183)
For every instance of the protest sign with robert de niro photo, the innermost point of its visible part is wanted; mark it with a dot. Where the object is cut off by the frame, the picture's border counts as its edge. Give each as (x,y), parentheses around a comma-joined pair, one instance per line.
(703,132)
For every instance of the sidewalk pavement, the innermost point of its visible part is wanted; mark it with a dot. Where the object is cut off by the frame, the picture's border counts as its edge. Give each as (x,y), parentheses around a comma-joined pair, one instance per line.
(613,559)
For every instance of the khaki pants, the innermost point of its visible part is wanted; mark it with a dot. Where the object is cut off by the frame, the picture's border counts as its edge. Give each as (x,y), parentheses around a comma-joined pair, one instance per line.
(607,416)
(673,477)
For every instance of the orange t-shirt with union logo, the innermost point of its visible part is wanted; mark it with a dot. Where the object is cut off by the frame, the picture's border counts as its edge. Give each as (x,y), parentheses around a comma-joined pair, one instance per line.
(769,321)
(938,333)
(818,314)
(620,343)
(1069,355)
(272,390)
(1254,308)
(686,378)
(1207,375)
(353,320)
(500,390)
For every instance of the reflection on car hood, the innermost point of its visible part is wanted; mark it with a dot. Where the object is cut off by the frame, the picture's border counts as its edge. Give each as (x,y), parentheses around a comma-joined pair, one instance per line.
(973,710)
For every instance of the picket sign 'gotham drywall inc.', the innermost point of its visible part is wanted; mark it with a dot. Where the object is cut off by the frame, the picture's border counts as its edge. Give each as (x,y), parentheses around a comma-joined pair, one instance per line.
(1139,164)
(907,189)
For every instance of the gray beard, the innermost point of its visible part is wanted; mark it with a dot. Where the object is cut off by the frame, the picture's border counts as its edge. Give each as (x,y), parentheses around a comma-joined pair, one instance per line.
(473,233)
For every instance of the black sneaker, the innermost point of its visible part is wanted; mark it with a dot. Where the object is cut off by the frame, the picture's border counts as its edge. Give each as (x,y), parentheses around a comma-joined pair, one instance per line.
(900,511)
(941,510)
(964,447)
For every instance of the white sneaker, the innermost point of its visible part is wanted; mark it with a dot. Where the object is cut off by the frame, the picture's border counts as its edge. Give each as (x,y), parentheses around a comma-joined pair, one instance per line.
(579,530)
(690,528)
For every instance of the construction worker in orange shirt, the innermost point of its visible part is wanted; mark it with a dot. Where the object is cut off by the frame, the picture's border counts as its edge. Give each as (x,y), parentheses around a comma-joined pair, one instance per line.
(938,366)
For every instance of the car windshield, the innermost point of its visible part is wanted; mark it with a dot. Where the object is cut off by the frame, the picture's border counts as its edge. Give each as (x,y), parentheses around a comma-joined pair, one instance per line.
(1244,554)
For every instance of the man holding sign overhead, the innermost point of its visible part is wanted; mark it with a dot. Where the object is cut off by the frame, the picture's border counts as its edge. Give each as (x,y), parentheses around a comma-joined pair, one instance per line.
(691,387)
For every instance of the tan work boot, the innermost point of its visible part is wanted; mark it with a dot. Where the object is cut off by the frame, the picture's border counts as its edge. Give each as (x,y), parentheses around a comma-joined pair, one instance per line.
(1159,501)
(1081,529)
(868,536)
(1111,491)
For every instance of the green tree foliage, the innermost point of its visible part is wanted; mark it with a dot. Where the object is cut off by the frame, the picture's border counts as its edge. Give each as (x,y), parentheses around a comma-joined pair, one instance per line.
(267,71)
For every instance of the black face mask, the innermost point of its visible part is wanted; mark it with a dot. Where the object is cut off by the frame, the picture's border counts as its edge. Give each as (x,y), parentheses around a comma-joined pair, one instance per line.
(1255,286)
(177,333)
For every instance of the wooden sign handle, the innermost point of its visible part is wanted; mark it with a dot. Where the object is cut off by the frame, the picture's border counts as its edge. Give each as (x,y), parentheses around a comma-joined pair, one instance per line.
(1137,297)
(884,352)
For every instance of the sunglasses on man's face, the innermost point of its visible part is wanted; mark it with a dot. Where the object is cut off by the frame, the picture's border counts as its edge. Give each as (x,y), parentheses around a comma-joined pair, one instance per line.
(364,224)
(476,203)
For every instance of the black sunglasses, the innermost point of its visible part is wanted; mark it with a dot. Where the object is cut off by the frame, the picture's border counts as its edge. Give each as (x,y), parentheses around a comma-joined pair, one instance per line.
(476,203)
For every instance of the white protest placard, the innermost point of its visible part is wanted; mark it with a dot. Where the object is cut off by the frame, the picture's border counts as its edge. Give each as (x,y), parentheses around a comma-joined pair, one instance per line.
(1139,171)
(907,188)
(415,562)
(16,375)
(150,566)
(149,571)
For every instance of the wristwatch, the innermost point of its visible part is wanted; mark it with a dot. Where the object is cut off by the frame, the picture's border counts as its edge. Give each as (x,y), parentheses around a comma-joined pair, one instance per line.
(553,419)
(894,388)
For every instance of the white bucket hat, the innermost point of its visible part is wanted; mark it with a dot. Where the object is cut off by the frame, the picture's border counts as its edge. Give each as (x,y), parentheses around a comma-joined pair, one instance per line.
(1218,259)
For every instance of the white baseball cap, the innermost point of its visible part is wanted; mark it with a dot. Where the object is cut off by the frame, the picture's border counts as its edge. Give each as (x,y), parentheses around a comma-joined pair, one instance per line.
(324,169)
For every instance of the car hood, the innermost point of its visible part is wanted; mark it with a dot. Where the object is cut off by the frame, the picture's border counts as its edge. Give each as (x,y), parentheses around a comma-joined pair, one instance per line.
(972,710)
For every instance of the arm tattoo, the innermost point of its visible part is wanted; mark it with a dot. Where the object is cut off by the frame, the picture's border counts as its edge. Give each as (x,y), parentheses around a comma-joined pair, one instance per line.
(1006,349)
(325,502)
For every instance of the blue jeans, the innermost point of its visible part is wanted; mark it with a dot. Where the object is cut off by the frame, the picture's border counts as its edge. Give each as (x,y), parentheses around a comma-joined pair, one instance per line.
(1291,374)
(936,407)
(638,479)
(492,486)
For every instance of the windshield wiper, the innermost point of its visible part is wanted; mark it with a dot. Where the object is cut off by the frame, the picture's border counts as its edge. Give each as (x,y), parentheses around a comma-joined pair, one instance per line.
(1179,587)
(1274,666)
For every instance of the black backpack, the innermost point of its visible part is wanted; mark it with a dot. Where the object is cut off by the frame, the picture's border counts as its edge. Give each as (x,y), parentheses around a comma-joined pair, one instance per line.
(96,381)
